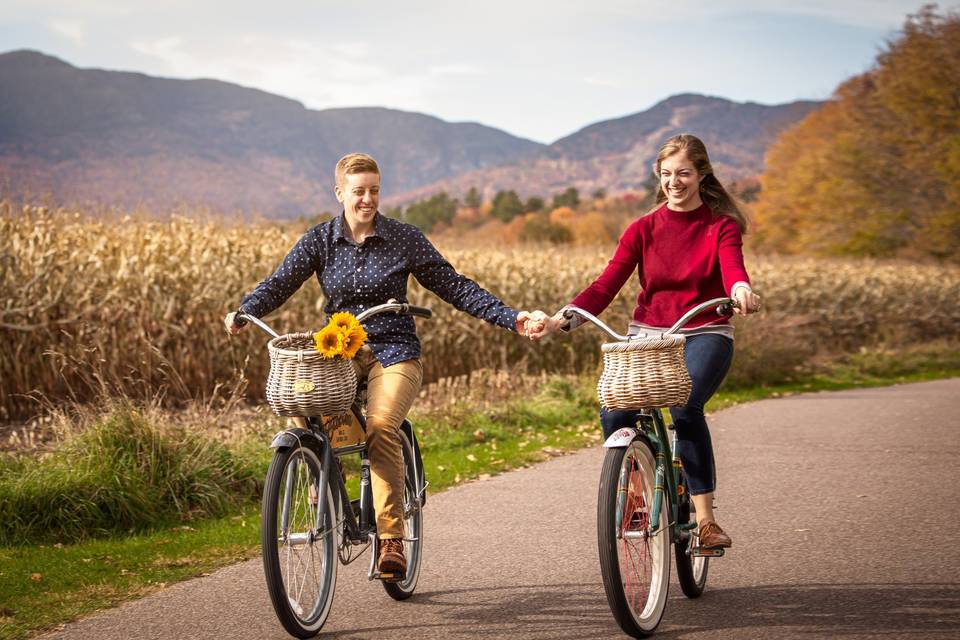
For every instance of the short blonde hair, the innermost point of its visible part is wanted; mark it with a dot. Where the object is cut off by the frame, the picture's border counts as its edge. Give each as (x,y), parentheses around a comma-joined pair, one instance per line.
(355,163)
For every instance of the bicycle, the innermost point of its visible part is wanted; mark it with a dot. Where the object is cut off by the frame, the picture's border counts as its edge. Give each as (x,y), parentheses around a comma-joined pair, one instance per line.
(643,507)
(306,525)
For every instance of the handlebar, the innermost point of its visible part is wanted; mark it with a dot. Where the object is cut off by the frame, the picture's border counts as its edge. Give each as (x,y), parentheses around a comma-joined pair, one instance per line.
(724,307)
(390,305)
(401,308)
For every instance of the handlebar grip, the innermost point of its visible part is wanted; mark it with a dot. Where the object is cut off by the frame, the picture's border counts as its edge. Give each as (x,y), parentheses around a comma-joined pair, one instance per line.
(727,308)
(422,312)
(238,319)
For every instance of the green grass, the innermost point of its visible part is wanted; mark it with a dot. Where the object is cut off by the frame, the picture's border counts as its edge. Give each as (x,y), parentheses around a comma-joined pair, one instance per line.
(122,475)
(44,586)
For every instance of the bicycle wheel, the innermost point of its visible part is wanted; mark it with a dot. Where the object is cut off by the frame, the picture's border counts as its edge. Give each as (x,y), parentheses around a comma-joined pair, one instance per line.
(300,537)
(412,526)
(691,571)
(635,566)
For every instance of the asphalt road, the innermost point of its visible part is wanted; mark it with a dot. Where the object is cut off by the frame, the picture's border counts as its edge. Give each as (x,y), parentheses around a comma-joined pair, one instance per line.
(843,508)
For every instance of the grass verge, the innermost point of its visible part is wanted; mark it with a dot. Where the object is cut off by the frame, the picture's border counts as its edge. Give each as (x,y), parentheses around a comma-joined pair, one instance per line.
(43,586)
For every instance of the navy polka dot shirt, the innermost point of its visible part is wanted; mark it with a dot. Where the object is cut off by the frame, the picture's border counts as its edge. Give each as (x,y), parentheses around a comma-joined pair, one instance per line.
(355,277)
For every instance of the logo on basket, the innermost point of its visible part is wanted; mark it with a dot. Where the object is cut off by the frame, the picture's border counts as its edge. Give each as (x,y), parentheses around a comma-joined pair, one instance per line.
(303,386)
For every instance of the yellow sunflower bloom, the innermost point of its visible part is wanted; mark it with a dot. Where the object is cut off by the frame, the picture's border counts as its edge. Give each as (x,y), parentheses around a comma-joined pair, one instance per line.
(329,341)
(353,340)
(342,320)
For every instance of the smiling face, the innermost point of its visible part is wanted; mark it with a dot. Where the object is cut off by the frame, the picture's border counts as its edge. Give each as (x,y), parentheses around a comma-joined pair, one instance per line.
(360,195)
(680,182)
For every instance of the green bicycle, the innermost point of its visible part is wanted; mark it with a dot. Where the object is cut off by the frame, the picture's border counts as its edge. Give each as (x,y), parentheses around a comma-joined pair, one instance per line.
(643,507)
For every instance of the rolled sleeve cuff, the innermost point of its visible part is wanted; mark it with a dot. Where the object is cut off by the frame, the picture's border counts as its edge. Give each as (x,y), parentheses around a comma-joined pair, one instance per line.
(508,319)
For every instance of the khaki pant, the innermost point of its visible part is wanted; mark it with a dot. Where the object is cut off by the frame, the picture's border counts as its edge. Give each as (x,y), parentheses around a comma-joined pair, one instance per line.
(390,394)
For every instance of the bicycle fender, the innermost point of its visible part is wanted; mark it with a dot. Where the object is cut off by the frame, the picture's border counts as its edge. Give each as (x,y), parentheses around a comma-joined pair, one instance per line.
(290,437)
(620,438)
(408,429)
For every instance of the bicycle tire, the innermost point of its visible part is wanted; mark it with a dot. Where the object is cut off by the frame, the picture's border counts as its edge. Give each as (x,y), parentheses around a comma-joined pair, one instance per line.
(290,557)
(691,571)
(636,572)
(412,525)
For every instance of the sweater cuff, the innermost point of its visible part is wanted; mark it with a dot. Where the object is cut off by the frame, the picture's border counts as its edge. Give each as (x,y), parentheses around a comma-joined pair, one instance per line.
(737,285)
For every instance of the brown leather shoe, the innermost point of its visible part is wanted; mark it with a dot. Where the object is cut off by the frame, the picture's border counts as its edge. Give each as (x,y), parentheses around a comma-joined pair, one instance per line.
(392,559)
(712,536)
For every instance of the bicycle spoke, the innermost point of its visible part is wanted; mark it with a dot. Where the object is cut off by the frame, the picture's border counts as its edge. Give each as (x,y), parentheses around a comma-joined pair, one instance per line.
(636,559)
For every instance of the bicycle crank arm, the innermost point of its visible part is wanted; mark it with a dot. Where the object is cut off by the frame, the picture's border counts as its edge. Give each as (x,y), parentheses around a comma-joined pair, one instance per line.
(372,574)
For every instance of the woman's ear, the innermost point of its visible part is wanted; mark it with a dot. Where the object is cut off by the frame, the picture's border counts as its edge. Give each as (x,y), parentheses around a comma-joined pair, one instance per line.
(337,191)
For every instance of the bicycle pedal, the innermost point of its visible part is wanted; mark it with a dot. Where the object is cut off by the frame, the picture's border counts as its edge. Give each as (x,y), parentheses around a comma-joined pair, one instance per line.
(707,552)
(392,577)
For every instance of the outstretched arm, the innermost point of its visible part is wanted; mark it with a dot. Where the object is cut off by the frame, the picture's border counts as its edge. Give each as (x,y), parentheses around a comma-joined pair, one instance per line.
(303,260)
(436,274)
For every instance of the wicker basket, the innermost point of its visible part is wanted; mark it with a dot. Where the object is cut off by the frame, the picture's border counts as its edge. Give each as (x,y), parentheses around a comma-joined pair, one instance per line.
(304,383)
(644,374)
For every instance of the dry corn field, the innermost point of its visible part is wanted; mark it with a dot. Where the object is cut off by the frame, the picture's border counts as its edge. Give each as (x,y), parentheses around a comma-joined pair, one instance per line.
(135,307)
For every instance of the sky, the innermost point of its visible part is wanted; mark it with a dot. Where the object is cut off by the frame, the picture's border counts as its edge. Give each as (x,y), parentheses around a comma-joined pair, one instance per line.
(536,69)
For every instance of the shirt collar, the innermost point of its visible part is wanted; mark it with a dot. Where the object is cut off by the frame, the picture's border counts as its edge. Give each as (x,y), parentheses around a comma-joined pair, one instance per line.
(340,223)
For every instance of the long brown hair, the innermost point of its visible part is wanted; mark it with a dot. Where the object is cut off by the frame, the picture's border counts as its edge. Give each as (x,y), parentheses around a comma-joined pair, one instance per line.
(711,191)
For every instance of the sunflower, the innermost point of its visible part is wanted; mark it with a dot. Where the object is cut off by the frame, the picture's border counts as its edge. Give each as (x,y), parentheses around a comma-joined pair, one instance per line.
(353,340)
(329,341)
(342,320)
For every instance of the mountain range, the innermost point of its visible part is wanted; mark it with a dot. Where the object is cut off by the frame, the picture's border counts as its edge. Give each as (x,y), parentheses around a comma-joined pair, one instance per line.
(128,139)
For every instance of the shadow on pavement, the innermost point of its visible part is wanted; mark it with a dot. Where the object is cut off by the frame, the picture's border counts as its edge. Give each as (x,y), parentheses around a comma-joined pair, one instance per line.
(830,609)
(580,611)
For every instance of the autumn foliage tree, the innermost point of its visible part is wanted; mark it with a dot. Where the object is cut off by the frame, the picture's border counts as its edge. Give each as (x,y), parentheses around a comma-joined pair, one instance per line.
(875,171)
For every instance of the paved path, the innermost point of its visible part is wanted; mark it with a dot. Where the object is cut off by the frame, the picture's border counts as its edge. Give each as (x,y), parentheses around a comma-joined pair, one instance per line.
(844,509)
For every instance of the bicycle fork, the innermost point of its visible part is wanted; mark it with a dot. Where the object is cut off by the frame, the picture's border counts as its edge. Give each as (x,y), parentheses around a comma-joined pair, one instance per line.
(623,491)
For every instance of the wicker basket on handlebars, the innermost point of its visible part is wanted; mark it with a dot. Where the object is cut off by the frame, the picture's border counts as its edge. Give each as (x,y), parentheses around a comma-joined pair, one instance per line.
(304,383)
(642,374)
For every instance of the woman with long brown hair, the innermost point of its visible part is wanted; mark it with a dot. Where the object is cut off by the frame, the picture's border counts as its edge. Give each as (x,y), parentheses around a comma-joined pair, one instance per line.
(686,251)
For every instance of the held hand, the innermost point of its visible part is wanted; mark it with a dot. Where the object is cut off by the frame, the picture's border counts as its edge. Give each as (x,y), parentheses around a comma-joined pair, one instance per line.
(528,322)
(548,326)
(749,301)
(232,328)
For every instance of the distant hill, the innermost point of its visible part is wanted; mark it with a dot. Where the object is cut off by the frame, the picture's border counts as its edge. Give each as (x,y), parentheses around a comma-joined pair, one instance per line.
(127,139)
(617,155)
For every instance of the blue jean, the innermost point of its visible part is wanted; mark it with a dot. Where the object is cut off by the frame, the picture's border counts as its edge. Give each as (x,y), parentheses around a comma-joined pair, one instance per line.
(708,358)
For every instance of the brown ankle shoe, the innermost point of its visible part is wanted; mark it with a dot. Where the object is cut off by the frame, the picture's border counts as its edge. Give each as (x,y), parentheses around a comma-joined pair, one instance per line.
(712,536)
(392,559)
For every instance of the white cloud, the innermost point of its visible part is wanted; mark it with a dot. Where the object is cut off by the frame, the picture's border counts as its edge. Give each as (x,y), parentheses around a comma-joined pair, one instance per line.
(72,30)
(601,81)
(871,14)
(319,75)
(456,70)
(166,48)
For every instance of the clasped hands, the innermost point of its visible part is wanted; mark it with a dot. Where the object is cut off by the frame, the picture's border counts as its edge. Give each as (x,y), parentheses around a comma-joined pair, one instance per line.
(537,324)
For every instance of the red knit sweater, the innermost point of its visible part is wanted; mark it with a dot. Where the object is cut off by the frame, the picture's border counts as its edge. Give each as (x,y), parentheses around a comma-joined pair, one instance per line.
(682,258)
